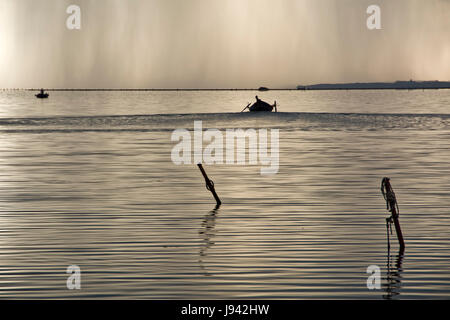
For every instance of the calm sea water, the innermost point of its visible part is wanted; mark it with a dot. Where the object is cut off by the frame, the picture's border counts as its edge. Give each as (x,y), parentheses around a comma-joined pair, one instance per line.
(86,179)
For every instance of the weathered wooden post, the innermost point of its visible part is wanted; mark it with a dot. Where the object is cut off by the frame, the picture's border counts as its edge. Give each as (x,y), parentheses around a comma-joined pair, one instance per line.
(209,185)
(392,206)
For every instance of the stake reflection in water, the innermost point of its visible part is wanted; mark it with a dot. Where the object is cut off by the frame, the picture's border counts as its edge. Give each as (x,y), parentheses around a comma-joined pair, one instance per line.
(393,284)
(207,233)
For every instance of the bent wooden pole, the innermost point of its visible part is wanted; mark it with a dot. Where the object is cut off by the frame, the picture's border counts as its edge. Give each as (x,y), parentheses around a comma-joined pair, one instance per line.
(209,184)
(392,206)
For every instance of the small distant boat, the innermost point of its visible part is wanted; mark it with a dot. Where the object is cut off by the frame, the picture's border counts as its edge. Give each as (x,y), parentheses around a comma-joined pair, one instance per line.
(261,106)
(263,89)
(42,95)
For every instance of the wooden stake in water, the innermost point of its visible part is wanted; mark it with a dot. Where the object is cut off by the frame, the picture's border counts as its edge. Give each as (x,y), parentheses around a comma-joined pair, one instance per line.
(209,184)
(392,206)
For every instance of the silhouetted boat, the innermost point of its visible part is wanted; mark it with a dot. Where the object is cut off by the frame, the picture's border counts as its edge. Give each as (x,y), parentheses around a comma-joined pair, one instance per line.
(261,106)
(263,89)
(42,95)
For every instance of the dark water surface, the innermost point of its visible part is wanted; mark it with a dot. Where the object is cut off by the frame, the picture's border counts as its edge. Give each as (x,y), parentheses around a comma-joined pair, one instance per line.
(86,179)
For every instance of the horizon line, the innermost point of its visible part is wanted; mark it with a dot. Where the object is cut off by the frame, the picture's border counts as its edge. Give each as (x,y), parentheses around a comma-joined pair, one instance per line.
(174,90)
(146,89)
(262,88)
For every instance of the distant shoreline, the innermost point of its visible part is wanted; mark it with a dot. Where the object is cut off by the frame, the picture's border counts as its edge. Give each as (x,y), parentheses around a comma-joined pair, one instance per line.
(398,85)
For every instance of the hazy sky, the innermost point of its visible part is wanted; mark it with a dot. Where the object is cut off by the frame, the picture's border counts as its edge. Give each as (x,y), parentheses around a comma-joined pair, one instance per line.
(220,43)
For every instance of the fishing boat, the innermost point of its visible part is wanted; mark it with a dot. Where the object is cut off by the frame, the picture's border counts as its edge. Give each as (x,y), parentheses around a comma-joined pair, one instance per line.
(42,95)
(261,106)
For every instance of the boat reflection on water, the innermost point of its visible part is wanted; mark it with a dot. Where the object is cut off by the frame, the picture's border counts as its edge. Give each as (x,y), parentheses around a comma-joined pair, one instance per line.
(393,284)
(207,234)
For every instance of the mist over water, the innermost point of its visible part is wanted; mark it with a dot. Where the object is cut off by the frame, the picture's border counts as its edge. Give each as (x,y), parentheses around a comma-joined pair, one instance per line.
(210,43)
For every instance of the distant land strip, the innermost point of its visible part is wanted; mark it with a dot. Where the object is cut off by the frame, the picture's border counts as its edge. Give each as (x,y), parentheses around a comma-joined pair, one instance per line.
(398,85)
